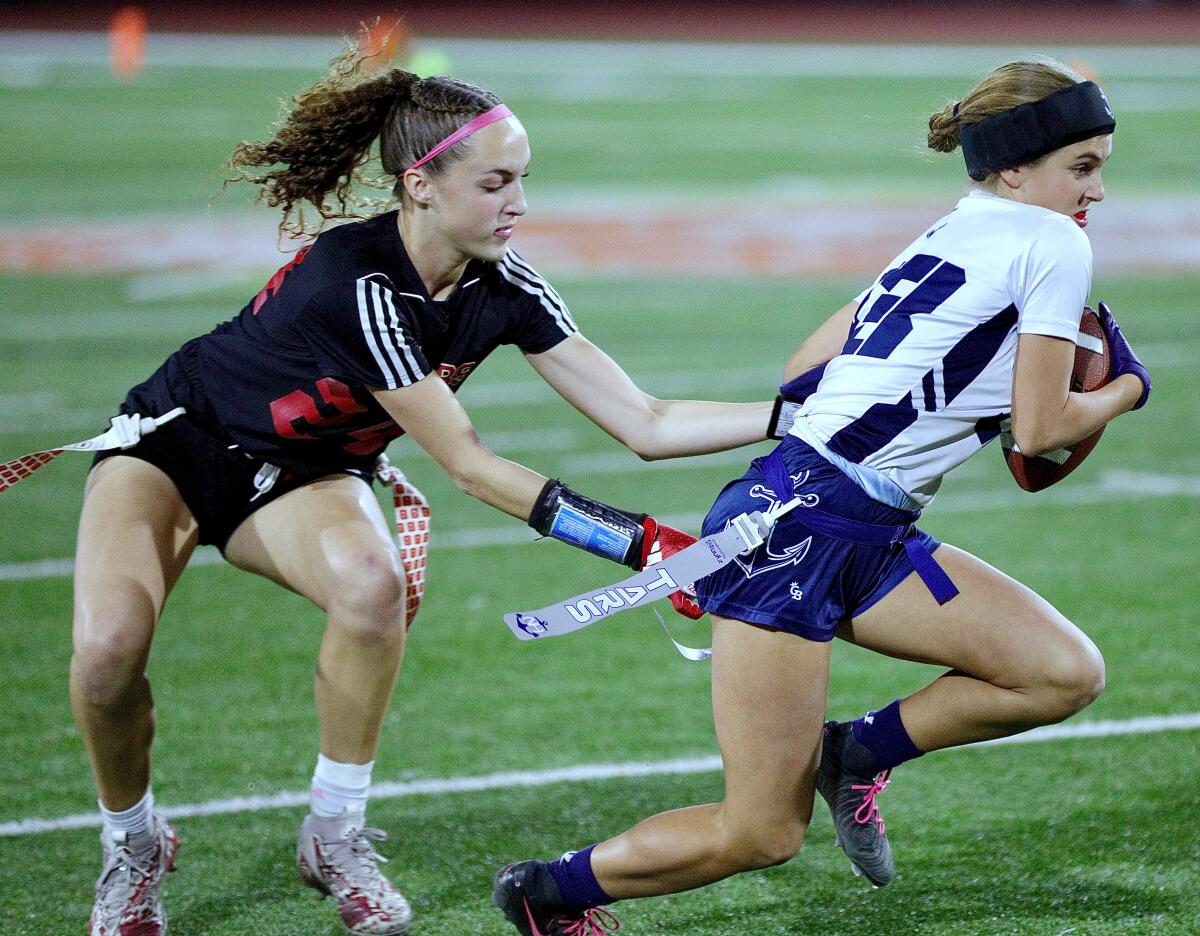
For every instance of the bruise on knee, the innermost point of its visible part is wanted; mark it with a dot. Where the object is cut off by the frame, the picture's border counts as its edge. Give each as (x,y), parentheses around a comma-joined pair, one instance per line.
(370,602)
(106,677)
(111,649)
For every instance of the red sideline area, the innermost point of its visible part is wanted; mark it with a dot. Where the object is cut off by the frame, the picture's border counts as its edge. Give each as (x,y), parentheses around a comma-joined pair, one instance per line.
(940,21)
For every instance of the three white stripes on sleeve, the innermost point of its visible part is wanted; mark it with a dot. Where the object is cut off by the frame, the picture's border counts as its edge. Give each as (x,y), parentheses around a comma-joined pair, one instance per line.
(381,325)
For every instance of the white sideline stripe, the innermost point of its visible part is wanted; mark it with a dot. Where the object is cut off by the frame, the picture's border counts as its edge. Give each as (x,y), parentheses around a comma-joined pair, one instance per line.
(1113,485)
(28,413)
(1150,724)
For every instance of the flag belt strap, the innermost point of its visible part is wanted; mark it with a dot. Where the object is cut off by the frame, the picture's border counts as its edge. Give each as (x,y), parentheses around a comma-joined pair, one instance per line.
(865,534)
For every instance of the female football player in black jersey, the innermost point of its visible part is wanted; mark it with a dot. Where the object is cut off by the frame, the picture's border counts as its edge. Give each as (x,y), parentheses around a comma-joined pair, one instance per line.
(363,336)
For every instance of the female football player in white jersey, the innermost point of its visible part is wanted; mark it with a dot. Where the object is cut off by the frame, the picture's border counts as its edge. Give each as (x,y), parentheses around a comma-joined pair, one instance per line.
(975,321)
(364,335)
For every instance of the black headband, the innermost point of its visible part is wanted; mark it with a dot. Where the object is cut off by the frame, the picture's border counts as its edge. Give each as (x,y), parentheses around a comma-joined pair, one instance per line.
(1023,133)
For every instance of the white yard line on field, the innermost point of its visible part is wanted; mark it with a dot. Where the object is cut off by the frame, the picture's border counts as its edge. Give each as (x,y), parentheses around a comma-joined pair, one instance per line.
(1151,724)
(43,411)
(1114,485)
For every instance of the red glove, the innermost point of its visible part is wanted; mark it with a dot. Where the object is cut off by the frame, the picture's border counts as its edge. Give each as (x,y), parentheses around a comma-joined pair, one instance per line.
(659,542)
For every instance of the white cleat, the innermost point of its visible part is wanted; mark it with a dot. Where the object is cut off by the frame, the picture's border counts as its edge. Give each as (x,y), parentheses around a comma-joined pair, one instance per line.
(127,892)
(336,857)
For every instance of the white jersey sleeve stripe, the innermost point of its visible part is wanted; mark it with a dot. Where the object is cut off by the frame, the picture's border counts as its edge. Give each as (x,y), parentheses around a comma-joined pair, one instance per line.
(383,334)
(528,274)
(520,263)
(394,333)
(365,319)
(536,286)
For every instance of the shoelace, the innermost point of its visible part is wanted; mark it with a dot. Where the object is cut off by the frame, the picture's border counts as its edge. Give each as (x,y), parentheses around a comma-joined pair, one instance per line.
(596,921)
(133,887)
(364,856)
(868,809)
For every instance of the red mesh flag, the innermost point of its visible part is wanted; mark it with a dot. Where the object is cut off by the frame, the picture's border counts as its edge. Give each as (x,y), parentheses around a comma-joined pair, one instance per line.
(21,468)
(123,432)
(412,534)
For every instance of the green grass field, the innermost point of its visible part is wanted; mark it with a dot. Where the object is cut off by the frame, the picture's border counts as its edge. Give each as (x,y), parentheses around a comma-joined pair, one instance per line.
(1078,836)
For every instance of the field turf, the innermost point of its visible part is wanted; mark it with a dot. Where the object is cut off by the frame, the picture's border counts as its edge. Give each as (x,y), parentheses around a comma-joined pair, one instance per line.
(1092,836)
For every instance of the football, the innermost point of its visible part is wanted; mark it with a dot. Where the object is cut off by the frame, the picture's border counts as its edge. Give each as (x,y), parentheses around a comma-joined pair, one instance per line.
(1092,364)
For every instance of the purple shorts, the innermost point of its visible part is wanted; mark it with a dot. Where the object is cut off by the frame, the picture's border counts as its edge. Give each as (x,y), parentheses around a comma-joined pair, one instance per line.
(799,580)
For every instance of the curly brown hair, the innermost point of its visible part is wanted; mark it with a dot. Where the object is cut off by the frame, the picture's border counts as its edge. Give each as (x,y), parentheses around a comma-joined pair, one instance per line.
(327,138)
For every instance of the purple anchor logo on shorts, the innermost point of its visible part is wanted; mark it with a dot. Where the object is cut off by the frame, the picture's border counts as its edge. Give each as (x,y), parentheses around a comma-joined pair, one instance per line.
(766,558)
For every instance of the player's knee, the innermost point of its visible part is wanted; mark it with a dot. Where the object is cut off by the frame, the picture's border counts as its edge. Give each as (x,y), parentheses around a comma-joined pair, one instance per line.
(107,661)
(369,596)
(766,843)
(1073,678)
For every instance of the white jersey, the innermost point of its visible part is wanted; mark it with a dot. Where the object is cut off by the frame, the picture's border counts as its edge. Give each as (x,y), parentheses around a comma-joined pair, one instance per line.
(925,377)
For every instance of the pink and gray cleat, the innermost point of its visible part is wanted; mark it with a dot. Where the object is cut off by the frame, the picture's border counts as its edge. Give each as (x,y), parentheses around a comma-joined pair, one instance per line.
(851,798)
(127,892)
(336,857)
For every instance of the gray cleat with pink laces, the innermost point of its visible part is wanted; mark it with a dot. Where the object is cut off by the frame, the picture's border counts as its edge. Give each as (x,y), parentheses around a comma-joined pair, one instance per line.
(851,793)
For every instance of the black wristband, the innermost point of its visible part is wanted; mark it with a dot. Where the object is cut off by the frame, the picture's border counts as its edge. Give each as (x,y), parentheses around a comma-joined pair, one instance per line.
(783,414)
(590,525)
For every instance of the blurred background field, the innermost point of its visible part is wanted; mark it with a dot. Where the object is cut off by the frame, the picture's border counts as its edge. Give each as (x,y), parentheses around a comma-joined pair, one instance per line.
(726,164)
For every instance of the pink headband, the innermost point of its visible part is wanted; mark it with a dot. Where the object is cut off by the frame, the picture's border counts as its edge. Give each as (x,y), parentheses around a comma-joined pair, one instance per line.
(499,112)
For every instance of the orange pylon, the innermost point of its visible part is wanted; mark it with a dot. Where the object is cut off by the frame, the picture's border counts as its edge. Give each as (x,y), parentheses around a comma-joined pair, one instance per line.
(1085,69)
(388,39)
(127,41)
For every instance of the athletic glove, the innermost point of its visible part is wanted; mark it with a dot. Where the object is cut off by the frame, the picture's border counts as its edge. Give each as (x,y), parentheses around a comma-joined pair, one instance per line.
(1124,361)
(791,397)
(665,543)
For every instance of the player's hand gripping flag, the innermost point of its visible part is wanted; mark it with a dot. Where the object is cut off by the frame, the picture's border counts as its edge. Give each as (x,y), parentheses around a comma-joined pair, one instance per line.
(661,542)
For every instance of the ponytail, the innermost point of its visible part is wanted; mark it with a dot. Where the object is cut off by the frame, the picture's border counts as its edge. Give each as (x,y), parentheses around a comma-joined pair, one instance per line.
(326,139)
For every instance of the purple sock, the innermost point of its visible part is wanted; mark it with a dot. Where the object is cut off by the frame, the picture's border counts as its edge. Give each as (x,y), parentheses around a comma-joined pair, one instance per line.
(576,882)
(884,735)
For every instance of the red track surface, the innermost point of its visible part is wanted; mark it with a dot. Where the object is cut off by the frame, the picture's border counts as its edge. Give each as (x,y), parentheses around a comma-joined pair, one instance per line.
(775,241)
(1136,21)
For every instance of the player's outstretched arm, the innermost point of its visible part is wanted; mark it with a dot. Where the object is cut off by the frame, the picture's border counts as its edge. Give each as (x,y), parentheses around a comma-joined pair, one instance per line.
(598,387)
(430,413)
(1046,414)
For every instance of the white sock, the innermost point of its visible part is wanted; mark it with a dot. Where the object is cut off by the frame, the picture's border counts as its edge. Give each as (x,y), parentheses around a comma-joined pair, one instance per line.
(340,788)
(136,818)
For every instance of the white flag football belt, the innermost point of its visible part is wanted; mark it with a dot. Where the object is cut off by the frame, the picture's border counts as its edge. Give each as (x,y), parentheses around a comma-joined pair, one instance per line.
(125,431)
(745,533)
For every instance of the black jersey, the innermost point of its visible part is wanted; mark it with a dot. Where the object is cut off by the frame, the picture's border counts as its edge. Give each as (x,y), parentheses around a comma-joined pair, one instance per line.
(289,379)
